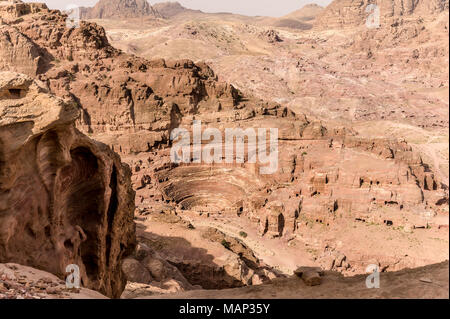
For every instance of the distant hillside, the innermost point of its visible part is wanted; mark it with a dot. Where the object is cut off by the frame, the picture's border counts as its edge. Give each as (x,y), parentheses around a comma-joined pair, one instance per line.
(302,19)
(307,13)
(171,9)
(119,9)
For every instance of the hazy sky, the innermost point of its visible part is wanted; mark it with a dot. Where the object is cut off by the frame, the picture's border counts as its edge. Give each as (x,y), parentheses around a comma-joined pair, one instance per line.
(247,7)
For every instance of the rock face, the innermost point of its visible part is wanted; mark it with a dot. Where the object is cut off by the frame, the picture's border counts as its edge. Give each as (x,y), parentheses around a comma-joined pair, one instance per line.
(16,8)
(350,13)
(16,48)
(64,199)
(17,52)
(119,9)
(271,36)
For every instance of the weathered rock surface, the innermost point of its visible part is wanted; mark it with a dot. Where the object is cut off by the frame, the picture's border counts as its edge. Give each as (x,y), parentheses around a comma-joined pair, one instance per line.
(311,278)
(64,199)
(135,272)
(149,273)
(18,53)
(195,257)
(22,282)
(405,284)
(350,13)
(271,36)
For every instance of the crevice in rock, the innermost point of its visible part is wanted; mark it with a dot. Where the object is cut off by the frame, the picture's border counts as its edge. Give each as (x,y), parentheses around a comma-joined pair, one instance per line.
(112,209)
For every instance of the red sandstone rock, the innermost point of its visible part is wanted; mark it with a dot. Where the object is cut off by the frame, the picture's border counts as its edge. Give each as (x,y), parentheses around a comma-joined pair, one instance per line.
(350,13)
(65,199)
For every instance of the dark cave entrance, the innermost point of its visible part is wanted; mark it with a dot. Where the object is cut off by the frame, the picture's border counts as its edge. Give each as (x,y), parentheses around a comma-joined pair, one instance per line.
(83,189)
(281,223)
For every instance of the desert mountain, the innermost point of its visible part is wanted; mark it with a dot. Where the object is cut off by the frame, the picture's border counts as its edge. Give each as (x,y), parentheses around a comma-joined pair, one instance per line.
(119,9)
(301,19)
(172,9)
(307,13)
(348,13)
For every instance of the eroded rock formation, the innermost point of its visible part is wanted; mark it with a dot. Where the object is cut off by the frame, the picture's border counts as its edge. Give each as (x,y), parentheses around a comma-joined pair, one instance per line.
(64,199)
(350,13)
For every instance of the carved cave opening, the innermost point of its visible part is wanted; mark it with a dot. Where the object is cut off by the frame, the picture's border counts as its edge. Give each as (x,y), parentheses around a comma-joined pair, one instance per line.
(82,182)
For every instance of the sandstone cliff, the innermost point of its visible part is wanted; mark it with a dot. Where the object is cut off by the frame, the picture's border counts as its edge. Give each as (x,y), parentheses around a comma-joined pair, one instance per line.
(350,13)
(64,199)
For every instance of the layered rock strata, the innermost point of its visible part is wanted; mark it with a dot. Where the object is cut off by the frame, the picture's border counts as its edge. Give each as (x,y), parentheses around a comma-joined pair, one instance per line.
(64,198)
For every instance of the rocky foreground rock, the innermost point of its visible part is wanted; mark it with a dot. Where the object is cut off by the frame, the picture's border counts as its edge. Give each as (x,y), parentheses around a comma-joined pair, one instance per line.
(430,282)
(64,198)
(22,282)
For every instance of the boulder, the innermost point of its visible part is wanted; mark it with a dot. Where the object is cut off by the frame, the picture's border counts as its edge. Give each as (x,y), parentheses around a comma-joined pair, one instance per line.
(155,267)
(135,271)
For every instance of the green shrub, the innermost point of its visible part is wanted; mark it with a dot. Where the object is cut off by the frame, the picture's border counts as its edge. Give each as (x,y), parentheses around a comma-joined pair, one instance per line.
(226,244)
